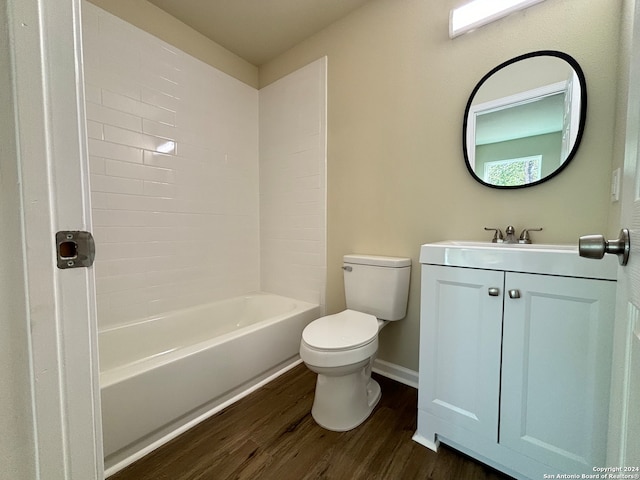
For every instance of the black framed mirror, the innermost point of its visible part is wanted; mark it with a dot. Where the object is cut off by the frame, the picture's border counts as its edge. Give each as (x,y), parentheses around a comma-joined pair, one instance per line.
(524,120)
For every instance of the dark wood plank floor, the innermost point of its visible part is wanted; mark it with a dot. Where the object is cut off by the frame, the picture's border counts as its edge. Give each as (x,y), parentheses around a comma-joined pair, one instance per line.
(270,434)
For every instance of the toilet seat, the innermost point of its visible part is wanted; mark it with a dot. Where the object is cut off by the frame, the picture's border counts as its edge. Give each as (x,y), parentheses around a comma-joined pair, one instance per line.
(346,338)
(346,330)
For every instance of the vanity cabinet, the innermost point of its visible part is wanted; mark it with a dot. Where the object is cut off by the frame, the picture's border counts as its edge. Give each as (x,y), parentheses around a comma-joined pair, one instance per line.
(515,368)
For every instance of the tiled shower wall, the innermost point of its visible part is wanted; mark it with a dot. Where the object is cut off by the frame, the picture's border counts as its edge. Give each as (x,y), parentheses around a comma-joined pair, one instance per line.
(292,184)
(175,182)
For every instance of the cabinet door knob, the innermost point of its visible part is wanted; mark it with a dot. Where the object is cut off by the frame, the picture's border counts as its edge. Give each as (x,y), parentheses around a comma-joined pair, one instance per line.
(514,293)
(494,291)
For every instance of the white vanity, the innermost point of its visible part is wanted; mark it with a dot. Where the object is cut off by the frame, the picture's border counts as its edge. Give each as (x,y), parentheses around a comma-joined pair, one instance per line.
(515,355)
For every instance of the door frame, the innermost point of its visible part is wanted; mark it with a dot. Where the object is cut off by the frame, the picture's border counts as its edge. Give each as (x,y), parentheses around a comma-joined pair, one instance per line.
(52,161)
(626,315)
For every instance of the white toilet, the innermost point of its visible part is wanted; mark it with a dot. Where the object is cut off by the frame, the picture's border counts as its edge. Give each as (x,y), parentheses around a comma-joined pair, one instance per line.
(340,348)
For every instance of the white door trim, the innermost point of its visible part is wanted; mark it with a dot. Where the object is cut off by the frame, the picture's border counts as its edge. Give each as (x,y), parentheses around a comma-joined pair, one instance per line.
(619,452)
(52,160)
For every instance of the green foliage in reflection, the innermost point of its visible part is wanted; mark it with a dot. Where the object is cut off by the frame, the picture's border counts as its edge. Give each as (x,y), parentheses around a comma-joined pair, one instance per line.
(512,172)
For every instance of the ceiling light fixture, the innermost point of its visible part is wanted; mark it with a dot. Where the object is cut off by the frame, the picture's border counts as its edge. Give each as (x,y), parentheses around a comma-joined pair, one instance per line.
(480,12)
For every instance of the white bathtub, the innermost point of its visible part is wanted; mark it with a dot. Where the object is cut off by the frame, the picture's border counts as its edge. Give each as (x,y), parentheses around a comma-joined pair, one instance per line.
(163,375)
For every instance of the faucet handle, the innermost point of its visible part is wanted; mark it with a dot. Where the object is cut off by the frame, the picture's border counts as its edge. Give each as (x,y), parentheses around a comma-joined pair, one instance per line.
(524,236)
(497,237)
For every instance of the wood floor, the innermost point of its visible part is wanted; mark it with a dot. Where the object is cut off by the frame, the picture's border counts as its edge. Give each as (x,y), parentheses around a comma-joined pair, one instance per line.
(270,434)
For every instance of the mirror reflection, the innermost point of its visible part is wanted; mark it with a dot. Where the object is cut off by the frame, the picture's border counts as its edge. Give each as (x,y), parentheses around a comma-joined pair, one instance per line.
(524,120)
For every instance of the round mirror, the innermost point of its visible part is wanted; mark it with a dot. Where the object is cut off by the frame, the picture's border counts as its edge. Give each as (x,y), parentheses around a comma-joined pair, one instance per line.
(524,120)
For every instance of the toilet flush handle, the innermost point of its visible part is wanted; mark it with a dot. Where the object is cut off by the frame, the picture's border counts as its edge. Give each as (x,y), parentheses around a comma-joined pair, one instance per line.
(347,268)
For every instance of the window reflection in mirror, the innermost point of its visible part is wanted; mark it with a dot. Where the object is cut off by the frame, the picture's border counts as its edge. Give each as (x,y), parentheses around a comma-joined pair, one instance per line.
(524,120)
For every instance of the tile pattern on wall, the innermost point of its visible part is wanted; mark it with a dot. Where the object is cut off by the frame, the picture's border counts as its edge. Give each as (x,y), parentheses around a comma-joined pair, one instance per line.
(293,184)
(174,174)
(184,213)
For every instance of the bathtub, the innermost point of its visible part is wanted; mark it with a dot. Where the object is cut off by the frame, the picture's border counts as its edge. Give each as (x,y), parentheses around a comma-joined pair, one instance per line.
(160,376)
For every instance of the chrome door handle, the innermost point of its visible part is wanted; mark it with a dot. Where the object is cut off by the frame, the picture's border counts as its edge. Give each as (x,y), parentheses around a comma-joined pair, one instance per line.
(514,293)
(494,291)
(595,246)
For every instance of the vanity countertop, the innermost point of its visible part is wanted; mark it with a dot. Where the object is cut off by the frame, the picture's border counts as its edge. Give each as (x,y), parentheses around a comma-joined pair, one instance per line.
(529,258)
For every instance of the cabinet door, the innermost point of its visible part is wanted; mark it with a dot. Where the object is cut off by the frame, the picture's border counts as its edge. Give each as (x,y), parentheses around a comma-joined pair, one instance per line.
(460,348)
(556,370)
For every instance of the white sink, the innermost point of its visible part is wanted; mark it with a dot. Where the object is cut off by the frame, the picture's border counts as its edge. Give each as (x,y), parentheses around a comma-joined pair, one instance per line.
(517,257)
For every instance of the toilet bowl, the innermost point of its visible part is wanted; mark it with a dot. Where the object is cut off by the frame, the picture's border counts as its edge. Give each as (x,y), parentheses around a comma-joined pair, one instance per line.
(341,348)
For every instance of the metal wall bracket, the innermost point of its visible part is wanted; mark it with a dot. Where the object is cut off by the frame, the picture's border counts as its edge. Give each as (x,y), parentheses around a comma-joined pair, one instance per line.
(75,249)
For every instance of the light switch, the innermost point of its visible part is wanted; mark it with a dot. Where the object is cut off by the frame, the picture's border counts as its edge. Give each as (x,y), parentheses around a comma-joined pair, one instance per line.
(615,185)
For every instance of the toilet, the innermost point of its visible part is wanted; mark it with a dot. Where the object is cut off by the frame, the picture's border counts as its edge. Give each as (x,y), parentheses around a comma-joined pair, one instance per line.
(341,348)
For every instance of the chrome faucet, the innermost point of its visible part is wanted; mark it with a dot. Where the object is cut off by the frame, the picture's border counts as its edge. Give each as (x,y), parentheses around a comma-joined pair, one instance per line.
(524,236)
(510,236)
(497,236)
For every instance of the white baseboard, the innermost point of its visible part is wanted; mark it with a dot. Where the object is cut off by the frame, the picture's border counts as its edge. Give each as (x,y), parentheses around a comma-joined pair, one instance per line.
(396,372)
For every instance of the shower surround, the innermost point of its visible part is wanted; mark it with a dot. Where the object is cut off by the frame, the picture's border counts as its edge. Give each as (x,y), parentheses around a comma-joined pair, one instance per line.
(203,188)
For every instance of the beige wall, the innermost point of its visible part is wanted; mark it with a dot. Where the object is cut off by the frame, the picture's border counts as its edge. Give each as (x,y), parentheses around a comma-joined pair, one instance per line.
(152,19)
(397,89)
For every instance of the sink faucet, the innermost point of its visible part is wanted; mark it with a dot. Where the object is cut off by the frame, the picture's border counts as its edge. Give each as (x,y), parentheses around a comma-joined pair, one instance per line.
(497,237)
(524,236)
(510,236)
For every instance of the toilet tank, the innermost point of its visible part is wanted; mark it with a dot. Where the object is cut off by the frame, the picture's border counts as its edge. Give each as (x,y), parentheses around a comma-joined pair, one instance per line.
(377,285)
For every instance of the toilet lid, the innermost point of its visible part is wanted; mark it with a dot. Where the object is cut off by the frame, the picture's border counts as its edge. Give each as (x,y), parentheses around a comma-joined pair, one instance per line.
(342,331)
